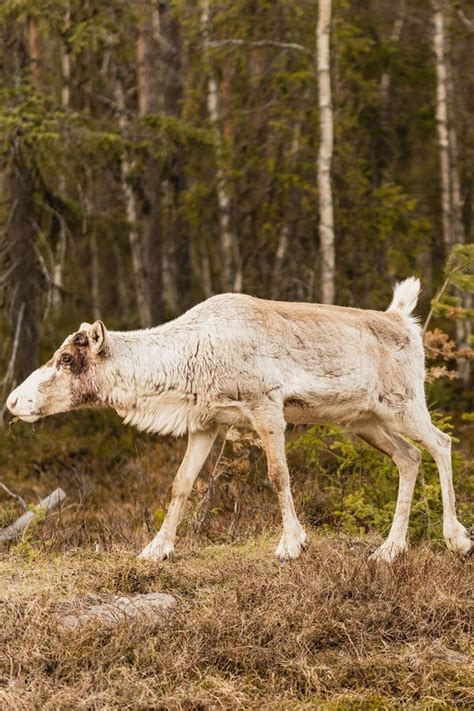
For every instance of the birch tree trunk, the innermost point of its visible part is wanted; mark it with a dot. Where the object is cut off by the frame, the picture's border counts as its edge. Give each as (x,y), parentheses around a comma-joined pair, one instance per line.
(464,326)
(451,200)
(231,271)
(34,52)
(326,215)
(60,256)
(134,240)
(150,101)
(176,248)
(394,39)
(442,122)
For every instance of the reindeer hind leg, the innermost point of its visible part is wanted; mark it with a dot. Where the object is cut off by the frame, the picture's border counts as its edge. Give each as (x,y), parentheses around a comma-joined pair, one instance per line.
(407,458)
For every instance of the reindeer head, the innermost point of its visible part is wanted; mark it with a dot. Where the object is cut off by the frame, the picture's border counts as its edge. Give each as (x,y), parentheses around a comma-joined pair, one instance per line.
(66,382)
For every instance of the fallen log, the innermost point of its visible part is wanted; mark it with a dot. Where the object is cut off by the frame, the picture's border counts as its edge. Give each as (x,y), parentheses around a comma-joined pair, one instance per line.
(109,614)
(21,523)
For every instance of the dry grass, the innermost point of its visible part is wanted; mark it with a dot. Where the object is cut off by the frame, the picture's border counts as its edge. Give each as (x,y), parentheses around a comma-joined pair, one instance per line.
(331,631)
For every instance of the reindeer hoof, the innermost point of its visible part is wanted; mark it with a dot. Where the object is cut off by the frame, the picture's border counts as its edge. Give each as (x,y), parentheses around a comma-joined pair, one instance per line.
(291,545)
(388,552)
(158,550)
(459,541)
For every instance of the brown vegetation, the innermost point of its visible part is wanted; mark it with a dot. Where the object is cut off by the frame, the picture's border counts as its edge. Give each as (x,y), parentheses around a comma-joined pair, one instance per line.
(329,631)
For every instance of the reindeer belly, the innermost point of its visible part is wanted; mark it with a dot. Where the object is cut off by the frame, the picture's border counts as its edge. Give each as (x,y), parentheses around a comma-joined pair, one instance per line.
(343,407)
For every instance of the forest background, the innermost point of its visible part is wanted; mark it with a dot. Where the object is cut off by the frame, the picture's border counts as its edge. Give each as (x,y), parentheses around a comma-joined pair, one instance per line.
(155,153)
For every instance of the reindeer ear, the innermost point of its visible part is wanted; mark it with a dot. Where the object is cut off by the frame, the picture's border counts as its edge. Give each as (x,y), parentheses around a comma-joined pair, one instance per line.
(97,336)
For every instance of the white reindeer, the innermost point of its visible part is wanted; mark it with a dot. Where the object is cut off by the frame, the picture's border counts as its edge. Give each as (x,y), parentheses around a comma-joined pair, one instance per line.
(235,360)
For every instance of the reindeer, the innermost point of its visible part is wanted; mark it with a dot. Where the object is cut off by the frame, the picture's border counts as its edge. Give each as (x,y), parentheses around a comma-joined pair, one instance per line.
(236,360)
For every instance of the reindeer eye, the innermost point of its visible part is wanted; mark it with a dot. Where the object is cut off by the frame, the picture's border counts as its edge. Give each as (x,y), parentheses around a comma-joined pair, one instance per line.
(67,359)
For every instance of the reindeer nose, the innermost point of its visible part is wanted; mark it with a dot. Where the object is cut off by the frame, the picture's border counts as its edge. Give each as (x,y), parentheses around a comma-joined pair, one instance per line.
(12,401)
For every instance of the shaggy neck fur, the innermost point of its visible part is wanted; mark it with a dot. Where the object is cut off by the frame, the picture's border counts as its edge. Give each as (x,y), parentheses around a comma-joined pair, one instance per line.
(150,378)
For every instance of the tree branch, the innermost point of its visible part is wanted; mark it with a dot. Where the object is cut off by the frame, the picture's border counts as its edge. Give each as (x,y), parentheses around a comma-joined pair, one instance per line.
(11,365)
(21,523)
(13,495)
(258,43)
(464,19)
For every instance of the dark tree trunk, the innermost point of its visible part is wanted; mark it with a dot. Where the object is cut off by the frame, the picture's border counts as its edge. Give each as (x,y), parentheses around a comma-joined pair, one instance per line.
(152,241)
(172,93)
(150,102)
(23,283)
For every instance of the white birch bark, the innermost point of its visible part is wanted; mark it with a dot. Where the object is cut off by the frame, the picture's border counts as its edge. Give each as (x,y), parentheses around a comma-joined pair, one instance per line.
(231,261)
(131,211)
(34,51)
(442,122)
(326,215)
(451,200)
(394,39)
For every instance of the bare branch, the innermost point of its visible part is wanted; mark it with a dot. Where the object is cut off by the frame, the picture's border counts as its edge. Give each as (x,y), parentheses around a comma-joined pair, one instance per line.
(9,220)
(204,506)
(469,24)
(118,108)
(7,273)
(21,523)
(11,365)
(13,495)
(258,43)
(8,377)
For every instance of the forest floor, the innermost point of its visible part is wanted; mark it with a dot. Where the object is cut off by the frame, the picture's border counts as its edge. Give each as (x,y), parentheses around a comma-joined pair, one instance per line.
(331,631)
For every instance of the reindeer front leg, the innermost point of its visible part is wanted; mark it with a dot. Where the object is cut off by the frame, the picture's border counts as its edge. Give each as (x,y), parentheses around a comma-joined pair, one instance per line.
(199,446)
(268,420)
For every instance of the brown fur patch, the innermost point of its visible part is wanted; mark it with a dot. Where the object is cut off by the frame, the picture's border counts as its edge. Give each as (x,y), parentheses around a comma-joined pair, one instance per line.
(80,339)
(388,329)
(83,389)
(78,350)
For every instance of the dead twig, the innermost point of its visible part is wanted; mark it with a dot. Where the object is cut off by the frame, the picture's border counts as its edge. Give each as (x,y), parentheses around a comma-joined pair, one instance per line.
(9,373)
(13,495)
(203,508)
(468,24)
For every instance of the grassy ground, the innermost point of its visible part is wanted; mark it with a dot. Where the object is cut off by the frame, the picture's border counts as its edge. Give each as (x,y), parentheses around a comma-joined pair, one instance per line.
(329,631)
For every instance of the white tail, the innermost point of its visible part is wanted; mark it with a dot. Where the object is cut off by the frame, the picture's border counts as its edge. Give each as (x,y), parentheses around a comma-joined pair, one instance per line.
(405,296)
